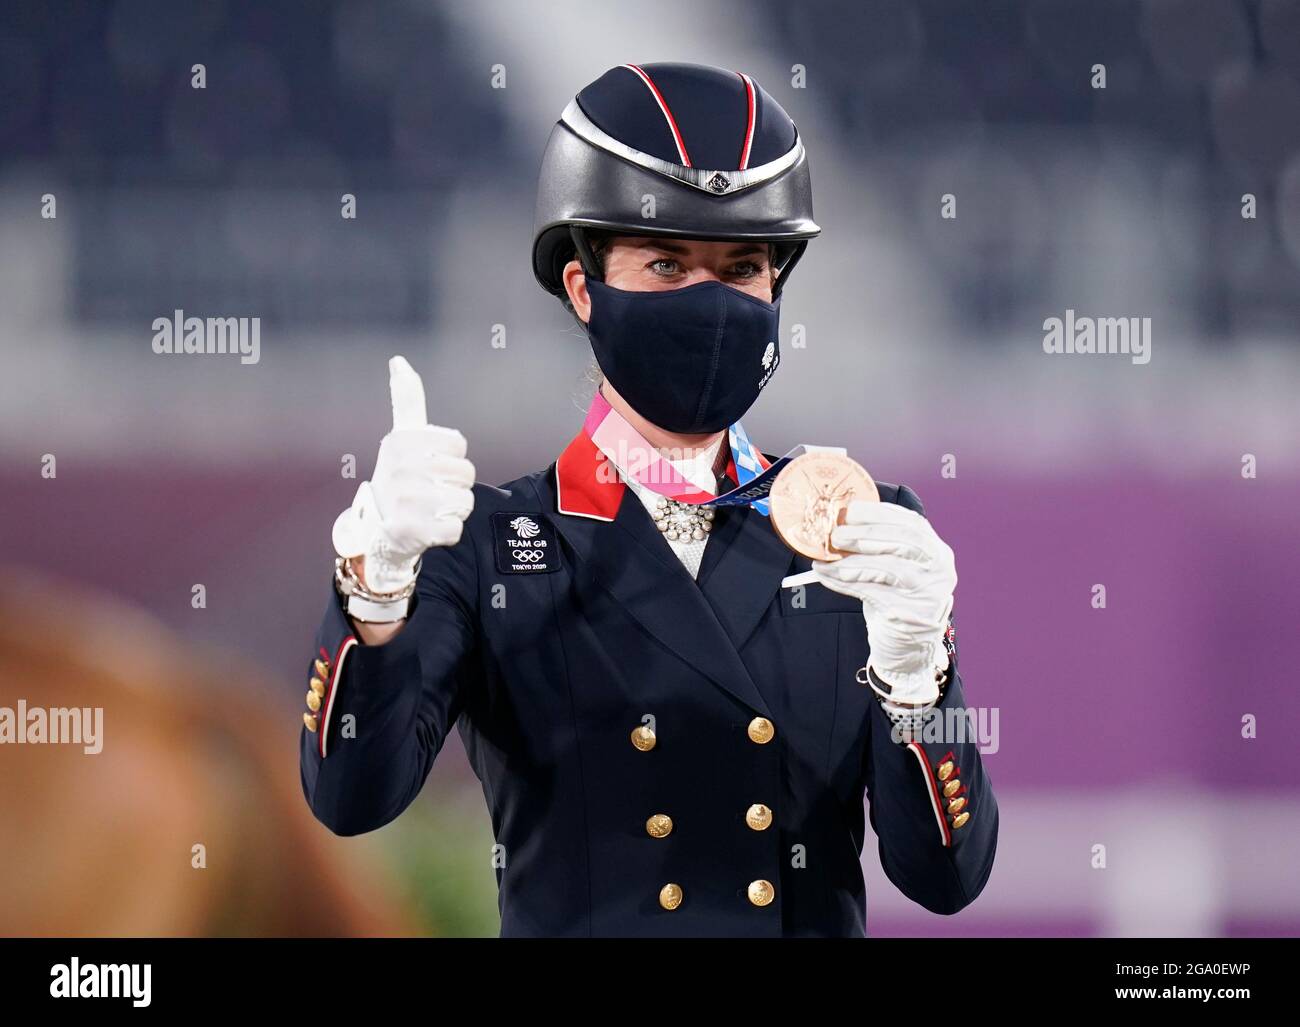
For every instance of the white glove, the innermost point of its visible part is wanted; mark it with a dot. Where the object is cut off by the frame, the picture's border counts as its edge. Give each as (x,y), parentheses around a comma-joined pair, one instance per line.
(904,574)
(419,496)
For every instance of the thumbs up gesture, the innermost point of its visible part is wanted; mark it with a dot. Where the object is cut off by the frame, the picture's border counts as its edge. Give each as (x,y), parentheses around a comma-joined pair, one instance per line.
(419,496)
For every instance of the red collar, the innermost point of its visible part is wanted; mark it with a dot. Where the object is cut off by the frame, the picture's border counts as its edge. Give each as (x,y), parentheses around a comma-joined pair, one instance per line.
(585,487)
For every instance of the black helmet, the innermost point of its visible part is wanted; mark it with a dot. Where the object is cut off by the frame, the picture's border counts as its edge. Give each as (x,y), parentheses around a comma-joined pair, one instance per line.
(721,158)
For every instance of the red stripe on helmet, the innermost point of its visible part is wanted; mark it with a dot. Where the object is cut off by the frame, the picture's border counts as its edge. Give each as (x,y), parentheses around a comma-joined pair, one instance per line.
(749,126)
(663,106)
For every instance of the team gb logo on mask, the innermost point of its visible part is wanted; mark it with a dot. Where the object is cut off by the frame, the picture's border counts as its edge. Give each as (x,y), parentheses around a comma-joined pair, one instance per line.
(770,361)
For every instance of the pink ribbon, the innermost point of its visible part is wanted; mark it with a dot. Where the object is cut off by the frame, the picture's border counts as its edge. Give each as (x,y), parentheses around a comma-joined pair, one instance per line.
(628,450)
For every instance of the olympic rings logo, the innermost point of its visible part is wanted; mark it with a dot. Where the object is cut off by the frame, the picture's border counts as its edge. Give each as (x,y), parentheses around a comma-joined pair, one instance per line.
(529,555)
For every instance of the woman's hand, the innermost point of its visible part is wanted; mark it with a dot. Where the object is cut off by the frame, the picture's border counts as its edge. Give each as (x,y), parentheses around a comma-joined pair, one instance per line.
(905,574)
(419,496)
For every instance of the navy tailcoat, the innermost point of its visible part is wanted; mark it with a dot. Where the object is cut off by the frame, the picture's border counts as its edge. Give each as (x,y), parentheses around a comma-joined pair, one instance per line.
(661,756)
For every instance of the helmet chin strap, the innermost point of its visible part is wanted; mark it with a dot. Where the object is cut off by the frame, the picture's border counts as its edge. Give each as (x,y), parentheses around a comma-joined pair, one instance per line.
(787,267)
(586,256)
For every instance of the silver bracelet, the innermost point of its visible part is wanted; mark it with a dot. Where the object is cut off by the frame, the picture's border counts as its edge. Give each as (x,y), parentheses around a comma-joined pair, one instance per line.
(371,607)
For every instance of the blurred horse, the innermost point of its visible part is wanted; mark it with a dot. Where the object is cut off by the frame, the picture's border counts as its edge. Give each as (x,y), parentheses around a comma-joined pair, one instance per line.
(104,845)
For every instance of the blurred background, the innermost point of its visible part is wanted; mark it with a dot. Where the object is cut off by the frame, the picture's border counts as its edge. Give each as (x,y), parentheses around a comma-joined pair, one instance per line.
(1119,727)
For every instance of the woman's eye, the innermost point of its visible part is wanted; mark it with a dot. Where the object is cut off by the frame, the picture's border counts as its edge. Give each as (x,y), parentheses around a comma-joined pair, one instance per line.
(746,269)
(663,266)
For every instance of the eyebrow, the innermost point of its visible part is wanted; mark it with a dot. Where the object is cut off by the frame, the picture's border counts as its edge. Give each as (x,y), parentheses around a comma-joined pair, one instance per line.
(667,246)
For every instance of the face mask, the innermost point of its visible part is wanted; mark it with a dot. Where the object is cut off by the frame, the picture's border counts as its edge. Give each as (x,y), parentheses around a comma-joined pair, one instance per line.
(689,360)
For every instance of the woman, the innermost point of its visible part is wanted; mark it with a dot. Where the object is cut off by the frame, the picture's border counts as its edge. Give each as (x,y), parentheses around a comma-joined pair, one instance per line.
(669,742)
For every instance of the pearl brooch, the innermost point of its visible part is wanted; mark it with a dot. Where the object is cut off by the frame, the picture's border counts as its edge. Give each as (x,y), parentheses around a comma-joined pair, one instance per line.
(683,521)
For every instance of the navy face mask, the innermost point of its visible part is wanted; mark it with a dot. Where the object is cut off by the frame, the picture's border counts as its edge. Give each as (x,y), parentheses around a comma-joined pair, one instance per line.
(689,360)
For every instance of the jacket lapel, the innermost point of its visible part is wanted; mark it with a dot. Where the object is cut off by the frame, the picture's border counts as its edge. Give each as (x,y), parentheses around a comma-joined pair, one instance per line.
(620,550)
(742,569)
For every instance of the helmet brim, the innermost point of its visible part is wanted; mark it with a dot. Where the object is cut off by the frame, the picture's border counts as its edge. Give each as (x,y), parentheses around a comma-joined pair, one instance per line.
(578,178)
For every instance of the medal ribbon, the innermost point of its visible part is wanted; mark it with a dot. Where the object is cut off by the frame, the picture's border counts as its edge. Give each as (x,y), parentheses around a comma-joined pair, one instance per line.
(628,450)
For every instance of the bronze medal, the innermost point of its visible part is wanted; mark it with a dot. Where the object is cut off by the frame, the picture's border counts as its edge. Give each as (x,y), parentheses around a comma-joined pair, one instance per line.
(809,498)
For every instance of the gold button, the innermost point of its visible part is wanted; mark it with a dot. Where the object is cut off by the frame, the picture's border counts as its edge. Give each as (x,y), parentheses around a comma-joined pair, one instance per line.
(322,669)
(761,893)
(951,787)
(317,686)
(659,826)
(310,721)
(761,730)
(957,805)
(313,701)
(643,738)
(945,770)
(960,821)
(670,896)
(759,817)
